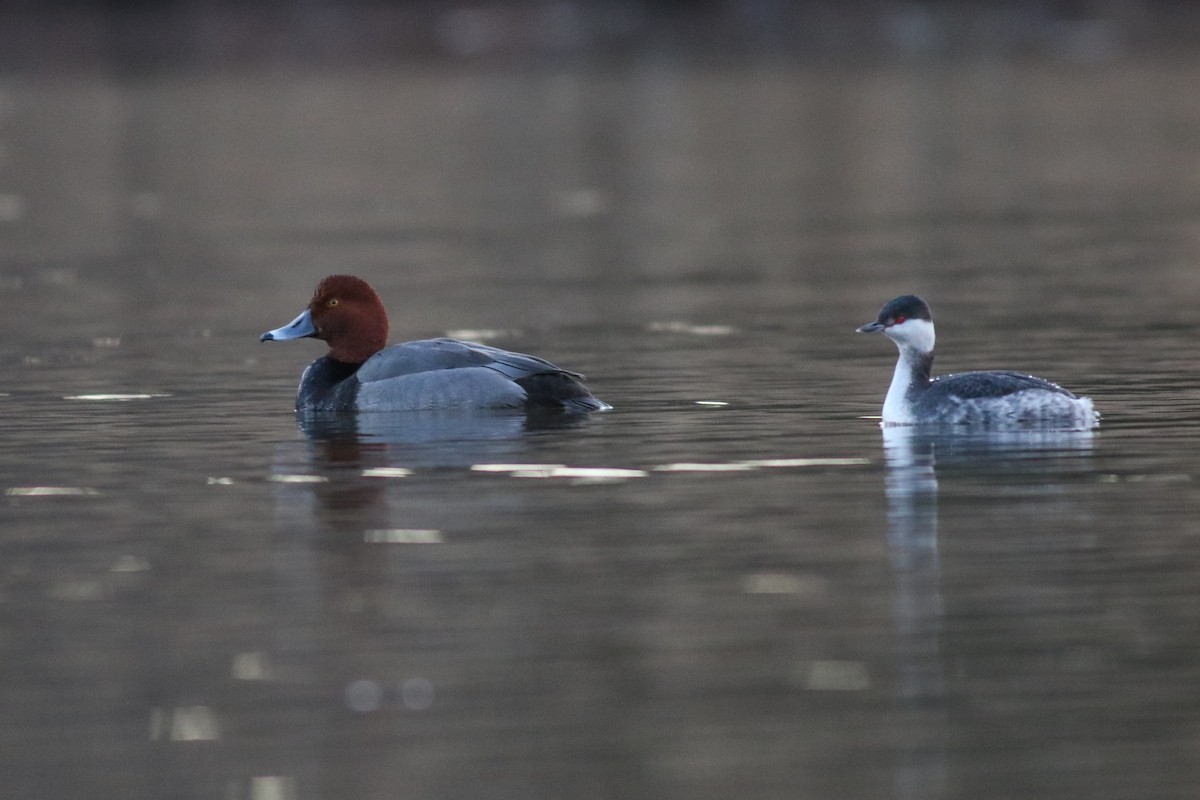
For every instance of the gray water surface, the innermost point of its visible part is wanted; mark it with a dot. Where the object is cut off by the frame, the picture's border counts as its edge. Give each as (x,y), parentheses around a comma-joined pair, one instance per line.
(734,584)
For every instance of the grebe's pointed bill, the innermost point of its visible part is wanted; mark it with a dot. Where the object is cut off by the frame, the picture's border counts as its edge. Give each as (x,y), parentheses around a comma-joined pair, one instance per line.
(870,327)
(299,328)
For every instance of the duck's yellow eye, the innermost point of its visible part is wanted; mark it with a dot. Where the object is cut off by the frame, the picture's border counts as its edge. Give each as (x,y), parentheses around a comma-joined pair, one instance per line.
(331,302)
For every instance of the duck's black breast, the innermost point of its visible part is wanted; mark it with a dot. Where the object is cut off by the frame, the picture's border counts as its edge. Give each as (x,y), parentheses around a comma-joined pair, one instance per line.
(328,385)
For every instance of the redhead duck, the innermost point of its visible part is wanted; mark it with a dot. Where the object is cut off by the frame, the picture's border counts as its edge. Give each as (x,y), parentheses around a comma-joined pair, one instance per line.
(360,373)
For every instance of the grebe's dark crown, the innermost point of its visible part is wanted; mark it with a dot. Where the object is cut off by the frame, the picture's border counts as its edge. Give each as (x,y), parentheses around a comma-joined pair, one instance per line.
(907,306)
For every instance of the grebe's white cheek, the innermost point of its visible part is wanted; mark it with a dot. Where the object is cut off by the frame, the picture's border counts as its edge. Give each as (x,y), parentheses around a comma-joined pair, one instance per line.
(915,333)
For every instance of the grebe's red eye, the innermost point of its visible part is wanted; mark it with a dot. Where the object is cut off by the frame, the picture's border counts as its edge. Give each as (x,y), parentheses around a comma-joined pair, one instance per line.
(899,319)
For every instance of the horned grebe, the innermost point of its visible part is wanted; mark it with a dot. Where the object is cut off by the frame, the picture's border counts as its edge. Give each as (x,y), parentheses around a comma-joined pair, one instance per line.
(973,398)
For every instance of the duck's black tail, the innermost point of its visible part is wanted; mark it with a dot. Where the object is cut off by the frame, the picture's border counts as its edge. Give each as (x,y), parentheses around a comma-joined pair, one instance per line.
(559,390)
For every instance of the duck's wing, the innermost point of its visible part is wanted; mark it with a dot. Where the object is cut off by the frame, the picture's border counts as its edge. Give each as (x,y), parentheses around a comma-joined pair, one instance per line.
(975,385)
(428,355)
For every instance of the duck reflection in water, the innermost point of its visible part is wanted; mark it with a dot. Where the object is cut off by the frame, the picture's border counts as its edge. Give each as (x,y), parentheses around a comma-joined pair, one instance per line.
(914,455)
(423,438)
(354,481)
(345,459)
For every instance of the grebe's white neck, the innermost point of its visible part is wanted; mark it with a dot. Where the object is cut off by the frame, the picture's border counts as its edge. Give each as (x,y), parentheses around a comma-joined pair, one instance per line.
(914,338)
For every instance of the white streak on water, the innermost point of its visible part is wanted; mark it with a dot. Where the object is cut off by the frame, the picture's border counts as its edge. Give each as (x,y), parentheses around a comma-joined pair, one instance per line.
(130,564)
(561,471)
(807,462)
(837,676)
(51,491)
(689,466)
(272,787)
(252,666)
(114,398)
(676,326)
(403,536)
(184,724)
(298,479)
(387,472)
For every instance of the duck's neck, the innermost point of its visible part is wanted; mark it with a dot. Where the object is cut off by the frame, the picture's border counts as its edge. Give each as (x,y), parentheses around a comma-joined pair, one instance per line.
(913,372)
(326,386)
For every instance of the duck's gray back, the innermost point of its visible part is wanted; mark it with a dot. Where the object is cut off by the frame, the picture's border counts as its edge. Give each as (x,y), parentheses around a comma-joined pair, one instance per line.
(468,387)
(426,355)
(451,373)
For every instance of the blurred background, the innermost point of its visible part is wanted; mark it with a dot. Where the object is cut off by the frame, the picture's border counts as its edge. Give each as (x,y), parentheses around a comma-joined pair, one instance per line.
(563,140)
(740,588)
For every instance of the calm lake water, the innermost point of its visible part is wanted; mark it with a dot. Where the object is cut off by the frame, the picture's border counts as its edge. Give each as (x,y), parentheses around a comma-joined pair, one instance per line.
(731,585)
